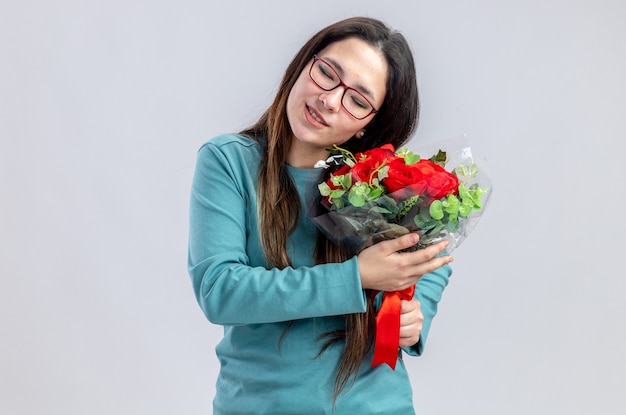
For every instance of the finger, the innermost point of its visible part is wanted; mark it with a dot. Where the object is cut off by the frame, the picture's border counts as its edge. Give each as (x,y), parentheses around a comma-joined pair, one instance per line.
(434,250)
(403,242)
(408,306)
(429,266)
(425,254)
(411,332)
(429,256)
(409,342)
(410,335)
(411,318)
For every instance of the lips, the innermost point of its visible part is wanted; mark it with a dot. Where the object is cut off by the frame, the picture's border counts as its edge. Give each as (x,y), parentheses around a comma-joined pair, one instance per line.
(316,116)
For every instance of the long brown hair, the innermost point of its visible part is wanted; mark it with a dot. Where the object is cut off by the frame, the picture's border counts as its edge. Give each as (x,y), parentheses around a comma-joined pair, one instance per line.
(278,203)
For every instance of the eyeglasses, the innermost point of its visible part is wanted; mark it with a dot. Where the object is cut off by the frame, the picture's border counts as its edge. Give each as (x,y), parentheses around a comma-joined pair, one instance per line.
(325,76)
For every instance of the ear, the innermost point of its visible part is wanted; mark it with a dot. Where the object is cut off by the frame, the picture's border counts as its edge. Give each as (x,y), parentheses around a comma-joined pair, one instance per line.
(360,134)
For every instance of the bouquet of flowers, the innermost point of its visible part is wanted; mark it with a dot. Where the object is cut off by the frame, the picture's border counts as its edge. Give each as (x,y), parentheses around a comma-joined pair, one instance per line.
(384,193)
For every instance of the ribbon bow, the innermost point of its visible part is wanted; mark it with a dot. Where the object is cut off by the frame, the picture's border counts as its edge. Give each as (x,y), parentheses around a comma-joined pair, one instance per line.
(388,327)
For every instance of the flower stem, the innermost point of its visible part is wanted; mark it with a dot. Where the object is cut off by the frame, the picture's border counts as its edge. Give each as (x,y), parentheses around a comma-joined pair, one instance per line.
(345,152)
(375,172)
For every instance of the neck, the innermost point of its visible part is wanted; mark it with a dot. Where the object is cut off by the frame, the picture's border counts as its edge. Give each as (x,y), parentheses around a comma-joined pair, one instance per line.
(305,157)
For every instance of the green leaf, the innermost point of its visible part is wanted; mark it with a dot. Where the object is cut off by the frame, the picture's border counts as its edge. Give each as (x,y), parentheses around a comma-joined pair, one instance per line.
(474,170)
(462,171)
(451,204)
(356,199)
(383,172)
(436,210)
(408,156)
(376,193)
(424,222)
(380,209)
(408,204)
(324,189)
(411,158)
(436,229)
(440,158)
(452,226)
(359,194)
(465,209)
(337,193)
(346,181)
(466,171)
(337,181)
(478,193)
(454,217)
(464,193)
(386,202)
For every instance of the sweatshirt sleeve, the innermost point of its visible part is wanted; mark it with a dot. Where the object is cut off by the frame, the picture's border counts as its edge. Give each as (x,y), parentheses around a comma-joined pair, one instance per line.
(229,289)
(428,291)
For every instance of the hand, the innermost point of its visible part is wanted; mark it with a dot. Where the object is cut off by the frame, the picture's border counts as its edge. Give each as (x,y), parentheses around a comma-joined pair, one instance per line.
(383,268)
(411,320)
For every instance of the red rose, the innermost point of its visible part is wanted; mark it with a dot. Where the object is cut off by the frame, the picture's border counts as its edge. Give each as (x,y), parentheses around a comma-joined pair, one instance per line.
(400,176)
(423,177)
(371,160)
(439,181)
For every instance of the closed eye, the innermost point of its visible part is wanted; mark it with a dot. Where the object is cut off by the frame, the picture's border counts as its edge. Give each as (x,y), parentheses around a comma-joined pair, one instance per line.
(327,71)
(359,101)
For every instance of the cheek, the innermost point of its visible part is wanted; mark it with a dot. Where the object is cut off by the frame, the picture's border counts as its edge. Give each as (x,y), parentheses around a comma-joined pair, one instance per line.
(291,106)
(349,126)
(296,97)
(301,87)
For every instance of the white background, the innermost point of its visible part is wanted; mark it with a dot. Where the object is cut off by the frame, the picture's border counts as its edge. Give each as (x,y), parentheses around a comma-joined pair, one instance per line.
(103,106)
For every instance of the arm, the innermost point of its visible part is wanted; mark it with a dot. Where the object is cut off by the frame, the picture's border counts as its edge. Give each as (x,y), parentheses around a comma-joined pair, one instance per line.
(428,291)
(225,260)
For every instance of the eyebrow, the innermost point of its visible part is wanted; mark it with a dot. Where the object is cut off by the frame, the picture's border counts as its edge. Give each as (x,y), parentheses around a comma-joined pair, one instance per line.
(362,88)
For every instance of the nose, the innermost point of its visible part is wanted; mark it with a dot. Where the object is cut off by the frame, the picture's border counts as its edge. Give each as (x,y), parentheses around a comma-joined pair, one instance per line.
(332,99)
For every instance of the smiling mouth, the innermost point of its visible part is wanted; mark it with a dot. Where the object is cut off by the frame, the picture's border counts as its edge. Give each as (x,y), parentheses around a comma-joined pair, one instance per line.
(315,116)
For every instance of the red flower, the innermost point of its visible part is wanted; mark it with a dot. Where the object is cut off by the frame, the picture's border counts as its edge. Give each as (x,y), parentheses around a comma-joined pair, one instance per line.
(370,161)
(400,176)
(439,181)
(419,178)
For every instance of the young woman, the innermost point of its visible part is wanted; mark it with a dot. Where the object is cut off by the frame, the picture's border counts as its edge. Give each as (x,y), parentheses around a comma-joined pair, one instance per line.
(296,310)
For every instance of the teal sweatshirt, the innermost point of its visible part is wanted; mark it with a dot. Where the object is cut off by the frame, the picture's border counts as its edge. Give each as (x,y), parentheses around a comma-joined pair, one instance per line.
(261,373)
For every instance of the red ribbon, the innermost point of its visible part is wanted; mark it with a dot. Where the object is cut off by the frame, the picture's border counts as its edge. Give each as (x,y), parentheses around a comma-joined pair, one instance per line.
(388,327)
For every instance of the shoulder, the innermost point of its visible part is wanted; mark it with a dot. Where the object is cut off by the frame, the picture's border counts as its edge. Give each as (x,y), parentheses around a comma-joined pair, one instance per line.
(232,155)
(233,147)
(231,142)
